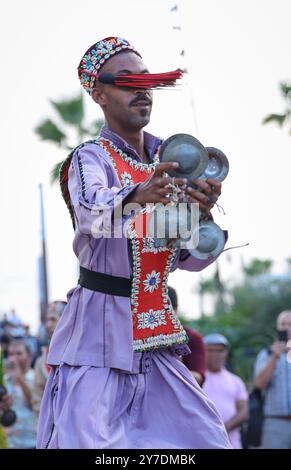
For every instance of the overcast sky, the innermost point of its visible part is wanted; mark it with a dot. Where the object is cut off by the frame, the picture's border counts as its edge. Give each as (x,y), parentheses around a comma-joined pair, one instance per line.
(236,53)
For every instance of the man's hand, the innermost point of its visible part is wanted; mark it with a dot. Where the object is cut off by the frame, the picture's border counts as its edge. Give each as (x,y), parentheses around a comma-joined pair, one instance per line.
(277,348)
(207,194)
(156,188)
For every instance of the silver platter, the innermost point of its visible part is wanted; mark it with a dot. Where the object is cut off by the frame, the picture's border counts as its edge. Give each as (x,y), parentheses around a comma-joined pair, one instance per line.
(211,241)
(217,166)
(188,152)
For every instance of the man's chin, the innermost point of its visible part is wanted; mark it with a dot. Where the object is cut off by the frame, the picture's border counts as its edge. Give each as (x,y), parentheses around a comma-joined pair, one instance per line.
(143,121)
(137,121)
(143,114)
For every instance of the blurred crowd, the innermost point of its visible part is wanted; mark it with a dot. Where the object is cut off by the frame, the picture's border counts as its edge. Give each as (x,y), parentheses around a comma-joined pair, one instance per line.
(255,417)
(25,373)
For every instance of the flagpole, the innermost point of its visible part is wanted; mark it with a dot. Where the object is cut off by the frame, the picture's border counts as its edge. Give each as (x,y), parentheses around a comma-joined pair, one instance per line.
(42,263)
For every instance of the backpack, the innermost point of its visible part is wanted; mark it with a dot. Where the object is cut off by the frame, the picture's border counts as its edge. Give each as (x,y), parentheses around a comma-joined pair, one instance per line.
(256,415)
(256,418)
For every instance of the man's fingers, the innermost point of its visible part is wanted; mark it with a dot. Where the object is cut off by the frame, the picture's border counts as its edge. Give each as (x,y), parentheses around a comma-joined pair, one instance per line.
(213,198)
(161,167)
(203,185)
(165,181)
(161,198)
(203,207)
(197,195)
(215,184)
(180,181)
(164,191)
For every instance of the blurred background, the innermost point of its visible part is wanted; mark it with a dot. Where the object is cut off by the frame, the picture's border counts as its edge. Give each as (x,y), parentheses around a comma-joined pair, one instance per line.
(236,96)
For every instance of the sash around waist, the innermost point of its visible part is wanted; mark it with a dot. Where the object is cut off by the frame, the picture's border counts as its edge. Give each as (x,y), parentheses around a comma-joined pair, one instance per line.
(105,283)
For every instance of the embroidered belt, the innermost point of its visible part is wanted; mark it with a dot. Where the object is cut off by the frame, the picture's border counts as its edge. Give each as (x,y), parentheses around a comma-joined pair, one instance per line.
(105,283)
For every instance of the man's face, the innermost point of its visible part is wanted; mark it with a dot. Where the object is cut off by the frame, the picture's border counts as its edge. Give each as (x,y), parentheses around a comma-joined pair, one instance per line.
(284,323)
(216,356)
(129,108)
(18,355)
(51,323)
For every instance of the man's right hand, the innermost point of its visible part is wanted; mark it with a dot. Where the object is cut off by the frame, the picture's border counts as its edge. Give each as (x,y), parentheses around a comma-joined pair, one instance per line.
(156,188)
(278,347)
(265,375)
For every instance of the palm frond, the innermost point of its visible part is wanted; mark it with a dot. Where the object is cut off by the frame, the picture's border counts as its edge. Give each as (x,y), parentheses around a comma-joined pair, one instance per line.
(279,118)
(48,130)
(285,88)
(71,111)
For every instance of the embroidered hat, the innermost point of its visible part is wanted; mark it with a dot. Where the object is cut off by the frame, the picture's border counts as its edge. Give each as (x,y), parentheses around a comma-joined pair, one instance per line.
(96,56)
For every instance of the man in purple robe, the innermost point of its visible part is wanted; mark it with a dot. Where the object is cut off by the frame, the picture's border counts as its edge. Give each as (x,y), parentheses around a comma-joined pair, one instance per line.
(116,380)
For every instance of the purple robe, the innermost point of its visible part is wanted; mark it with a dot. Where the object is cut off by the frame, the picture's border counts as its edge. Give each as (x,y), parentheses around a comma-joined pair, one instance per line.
(95,336)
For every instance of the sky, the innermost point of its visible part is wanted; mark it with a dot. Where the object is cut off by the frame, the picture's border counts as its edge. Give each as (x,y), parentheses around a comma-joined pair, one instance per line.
(236,53)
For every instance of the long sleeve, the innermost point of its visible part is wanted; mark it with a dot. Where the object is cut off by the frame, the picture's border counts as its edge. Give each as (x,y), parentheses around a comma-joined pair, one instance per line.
(95,191)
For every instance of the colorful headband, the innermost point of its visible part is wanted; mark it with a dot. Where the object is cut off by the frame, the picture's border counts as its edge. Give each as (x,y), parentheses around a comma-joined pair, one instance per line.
(99,53)
(96,56)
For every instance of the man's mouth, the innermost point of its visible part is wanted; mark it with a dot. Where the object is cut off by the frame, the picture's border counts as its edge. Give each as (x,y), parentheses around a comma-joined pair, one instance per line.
(142,103)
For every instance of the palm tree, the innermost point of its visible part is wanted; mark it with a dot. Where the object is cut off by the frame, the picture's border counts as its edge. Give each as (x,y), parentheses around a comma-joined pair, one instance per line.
(258,267)
(285,118)
(71,113)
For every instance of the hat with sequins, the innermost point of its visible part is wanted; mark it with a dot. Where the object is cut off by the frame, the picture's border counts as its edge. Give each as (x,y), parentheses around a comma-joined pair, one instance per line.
(96,56)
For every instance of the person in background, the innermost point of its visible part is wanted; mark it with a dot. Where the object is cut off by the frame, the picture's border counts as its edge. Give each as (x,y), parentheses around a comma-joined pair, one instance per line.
(33,343)
(41,367)
(14,330)
(196,361)
(4,343)
(14,319)
(19,380)
(273,377)
(226,390)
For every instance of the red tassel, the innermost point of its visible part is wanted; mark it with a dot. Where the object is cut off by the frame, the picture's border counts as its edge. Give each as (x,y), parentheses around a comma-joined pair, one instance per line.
(144,80)
(149,80)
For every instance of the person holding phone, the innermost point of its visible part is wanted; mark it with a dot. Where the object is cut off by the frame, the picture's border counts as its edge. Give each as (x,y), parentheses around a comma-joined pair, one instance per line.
(273,377)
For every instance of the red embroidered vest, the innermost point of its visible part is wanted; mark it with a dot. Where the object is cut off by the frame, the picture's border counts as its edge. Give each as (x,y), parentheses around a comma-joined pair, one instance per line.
(155,324)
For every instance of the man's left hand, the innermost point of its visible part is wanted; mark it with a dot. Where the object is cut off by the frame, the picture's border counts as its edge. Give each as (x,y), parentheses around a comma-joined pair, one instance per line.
(207,194)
